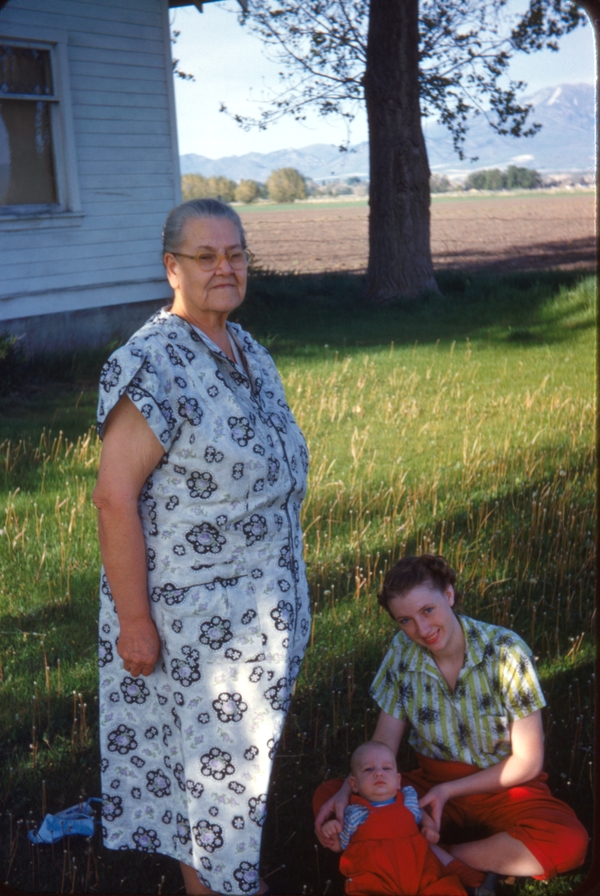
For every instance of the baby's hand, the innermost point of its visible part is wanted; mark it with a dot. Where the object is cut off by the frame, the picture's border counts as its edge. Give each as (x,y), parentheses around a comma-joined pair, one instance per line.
(430,834)
(332,830)
(428,828)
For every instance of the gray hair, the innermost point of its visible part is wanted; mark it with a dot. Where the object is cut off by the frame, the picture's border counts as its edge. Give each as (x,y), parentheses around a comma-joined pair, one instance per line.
(172,235)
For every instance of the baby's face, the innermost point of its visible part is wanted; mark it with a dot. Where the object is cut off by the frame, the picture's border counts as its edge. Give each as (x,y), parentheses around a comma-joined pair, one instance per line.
(376,777)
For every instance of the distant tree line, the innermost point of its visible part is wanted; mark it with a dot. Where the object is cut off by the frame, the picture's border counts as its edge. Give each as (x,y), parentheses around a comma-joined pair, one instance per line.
(287,185)
(195,186)
(514,178)
(283,185)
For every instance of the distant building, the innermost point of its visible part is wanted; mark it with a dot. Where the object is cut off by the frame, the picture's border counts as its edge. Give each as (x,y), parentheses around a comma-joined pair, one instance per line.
(89,166)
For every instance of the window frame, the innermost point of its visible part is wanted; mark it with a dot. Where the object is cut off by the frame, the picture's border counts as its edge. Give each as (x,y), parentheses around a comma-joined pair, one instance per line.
(68,208)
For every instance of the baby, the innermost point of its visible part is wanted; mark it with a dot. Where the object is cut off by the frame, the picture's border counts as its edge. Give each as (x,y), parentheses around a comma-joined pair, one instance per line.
(384,852)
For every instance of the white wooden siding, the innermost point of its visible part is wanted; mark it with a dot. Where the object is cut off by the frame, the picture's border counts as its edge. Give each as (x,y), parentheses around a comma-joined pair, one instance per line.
(126,149)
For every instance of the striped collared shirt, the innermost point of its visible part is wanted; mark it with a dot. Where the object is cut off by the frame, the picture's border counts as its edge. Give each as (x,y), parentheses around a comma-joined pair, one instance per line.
(496,685)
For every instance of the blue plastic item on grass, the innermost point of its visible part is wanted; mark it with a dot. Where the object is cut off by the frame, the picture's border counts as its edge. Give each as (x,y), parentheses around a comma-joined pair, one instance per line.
(78,819)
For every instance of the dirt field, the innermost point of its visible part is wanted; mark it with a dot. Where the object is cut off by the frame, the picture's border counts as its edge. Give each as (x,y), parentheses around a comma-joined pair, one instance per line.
(498,232)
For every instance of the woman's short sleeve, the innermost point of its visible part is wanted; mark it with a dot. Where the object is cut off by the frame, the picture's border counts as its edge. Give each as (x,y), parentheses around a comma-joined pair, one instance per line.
(141,374)
(520,686)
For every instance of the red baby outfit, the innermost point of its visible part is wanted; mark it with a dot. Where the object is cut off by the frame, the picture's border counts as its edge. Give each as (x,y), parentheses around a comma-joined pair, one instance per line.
(388,855)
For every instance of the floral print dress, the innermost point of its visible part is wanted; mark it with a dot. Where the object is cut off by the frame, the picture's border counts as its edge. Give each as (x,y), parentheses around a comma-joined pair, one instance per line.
(187,751)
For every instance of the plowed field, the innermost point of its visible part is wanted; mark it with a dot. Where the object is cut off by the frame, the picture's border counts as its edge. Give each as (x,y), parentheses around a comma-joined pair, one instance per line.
(497,232)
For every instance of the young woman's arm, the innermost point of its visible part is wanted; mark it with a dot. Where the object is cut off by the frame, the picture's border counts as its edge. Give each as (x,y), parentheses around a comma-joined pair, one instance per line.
(524,763)
(130,451)
(389,731)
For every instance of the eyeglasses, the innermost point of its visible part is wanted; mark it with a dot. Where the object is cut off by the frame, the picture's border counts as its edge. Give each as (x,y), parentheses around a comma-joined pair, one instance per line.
(210,261)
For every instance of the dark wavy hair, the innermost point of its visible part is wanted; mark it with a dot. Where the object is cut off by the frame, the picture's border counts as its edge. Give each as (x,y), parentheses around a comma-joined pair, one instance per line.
(410,572)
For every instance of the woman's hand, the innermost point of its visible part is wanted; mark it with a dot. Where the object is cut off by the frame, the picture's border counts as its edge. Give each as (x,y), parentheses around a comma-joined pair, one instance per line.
(333,808)
(435,799)
(139,647)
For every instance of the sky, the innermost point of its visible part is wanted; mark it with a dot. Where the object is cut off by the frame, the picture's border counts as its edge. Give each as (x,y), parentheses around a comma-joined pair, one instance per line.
(230,66)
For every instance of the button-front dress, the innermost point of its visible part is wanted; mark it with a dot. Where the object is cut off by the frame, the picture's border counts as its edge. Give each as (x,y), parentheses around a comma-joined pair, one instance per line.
(187,751)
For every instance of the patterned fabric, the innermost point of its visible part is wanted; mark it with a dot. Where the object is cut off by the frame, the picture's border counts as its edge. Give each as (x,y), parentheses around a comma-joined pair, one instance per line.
(496,685)
(411,801)
(355,814)
(187,752)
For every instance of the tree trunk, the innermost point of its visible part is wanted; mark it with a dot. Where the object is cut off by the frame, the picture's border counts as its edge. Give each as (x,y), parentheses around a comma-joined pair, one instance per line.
(400,264)
(592,10)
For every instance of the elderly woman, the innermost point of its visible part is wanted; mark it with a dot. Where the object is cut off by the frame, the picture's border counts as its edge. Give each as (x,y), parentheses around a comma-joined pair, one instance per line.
(470,694)
(204,603)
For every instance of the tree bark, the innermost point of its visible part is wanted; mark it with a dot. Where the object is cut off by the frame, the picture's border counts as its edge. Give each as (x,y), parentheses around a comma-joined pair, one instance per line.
(592,10)
(400,265)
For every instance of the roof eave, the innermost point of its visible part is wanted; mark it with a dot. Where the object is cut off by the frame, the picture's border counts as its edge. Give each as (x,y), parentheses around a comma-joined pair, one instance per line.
(173,3)
(197,3)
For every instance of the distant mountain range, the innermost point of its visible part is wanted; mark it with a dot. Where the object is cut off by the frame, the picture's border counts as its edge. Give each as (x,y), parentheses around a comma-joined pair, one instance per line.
(320,160)
(566,142)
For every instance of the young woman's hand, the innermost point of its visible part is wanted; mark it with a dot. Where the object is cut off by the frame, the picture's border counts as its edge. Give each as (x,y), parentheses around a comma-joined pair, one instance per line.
(435,800)
(333,808)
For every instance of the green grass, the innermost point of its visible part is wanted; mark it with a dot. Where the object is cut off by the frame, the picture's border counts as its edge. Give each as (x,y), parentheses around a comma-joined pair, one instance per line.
(435,197)
(55,392)
(464,424)
(511,194)
(300,203)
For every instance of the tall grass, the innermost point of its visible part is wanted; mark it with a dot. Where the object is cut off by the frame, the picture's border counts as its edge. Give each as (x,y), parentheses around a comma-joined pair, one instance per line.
(465,429)
(455,451)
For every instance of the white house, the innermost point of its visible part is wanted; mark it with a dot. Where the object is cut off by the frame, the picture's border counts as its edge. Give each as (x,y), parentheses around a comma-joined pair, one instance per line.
(89,166)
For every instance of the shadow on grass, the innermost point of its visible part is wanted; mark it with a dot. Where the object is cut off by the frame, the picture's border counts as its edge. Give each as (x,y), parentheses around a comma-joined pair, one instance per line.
(302,313)
(571,253)
(57,391)
(298,314)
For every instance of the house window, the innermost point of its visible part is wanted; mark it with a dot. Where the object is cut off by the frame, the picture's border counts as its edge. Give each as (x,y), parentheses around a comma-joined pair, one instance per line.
(27,175)
(37,151)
